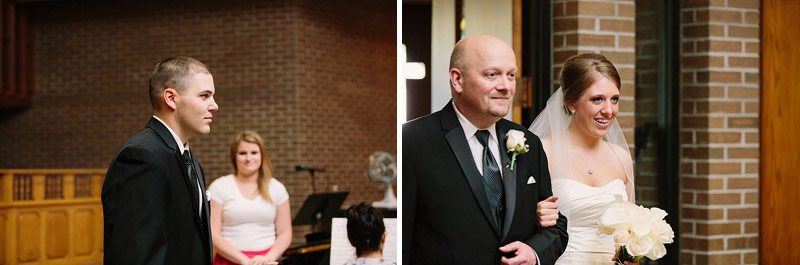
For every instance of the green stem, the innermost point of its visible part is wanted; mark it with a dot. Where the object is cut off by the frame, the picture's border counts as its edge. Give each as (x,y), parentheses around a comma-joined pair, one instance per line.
(625,256)
(513,158)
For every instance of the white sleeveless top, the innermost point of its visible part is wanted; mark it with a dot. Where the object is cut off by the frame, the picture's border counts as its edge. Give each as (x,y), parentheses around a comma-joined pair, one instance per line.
(586,204)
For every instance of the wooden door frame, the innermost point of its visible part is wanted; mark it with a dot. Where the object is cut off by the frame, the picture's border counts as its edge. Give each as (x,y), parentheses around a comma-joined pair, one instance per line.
(779,175)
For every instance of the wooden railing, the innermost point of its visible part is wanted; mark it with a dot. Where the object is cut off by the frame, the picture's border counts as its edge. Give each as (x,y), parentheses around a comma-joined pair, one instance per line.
(51,216)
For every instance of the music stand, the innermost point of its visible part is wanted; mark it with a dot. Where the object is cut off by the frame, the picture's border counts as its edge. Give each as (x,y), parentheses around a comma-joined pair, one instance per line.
(319,207)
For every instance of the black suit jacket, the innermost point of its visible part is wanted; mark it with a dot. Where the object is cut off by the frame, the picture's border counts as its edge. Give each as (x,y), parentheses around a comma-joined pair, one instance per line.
(446,216)
(150,208)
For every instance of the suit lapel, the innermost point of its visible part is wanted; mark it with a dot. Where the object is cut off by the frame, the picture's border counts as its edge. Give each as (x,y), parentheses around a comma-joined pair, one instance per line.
(169,141)
(509,177)
(206,208)
(460,147)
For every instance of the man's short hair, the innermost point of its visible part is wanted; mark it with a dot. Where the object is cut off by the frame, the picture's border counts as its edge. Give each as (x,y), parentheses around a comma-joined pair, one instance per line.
(173,72)
(456,61)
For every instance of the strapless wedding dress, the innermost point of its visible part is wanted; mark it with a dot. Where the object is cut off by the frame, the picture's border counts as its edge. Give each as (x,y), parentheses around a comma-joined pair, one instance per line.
(586,204)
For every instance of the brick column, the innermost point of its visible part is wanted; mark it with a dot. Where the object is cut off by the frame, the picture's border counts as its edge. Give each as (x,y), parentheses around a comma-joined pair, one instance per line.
(719,131)
(605,27)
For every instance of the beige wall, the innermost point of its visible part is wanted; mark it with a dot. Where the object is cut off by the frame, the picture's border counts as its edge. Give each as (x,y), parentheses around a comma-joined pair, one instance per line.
(482,17)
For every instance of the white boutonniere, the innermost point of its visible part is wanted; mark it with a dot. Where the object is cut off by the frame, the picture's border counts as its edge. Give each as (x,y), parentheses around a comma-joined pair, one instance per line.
(516,143)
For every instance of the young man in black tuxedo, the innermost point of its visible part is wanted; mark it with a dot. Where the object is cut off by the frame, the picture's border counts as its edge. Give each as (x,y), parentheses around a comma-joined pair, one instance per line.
(462,201)
(155,207)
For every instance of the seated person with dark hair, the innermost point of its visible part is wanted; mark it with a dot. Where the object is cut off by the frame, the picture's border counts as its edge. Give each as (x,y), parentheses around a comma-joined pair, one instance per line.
(367,234)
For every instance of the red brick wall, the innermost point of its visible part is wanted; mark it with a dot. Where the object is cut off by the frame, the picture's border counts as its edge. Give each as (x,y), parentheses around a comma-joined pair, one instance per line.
(315,79)
(604,27)
(719,131)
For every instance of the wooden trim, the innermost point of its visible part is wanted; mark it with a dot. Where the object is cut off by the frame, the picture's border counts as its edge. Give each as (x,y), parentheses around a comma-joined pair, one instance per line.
(23,61)
(517,32)
(10,50)
(4,91)
(16,53)
(53,171)
(516,39)
(459,16)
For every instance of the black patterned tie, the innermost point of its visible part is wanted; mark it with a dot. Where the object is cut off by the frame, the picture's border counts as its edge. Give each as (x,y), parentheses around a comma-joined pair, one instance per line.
(491,173)
(187,161)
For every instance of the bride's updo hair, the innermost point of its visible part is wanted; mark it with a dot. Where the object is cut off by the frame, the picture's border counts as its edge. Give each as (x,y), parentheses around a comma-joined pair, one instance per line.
(580,72)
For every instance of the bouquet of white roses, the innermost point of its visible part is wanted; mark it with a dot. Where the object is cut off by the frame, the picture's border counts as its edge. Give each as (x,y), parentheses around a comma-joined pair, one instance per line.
(638,231)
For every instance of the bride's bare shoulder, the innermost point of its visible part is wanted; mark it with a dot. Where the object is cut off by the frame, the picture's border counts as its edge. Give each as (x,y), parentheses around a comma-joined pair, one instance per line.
(623,154)
(621,151)
(617,147)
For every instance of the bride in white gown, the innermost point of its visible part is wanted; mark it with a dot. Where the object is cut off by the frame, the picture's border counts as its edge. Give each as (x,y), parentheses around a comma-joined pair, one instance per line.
(587,154)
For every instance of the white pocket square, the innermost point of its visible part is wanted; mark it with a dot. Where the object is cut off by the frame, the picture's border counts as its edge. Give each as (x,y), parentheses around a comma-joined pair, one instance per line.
(531,180)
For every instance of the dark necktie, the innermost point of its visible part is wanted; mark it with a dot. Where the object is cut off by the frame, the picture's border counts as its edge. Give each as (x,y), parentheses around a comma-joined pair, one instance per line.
(491,173)
(187,160)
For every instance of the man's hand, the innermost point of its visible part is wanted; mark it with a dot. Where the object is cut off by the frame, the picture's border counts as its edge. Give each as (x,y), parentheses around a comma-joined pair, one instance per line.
(547,212)
(523,254)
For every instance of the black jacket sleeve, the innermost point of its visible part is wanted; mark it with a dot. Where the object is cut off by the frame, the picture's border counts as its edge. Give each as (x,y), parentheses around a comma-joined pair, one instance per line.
(549,243)
(134,199)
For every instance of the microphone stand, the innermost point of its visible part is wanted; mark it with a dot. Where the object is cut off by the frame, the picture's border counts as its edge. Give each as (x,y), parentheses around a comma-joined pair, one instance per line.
(313,181)
(316,225)
(311,171)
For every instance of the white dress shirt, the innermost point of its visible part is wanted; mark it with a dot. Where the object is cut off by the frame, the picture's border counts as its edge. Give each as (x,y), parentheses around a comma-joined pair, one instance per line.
(475,146)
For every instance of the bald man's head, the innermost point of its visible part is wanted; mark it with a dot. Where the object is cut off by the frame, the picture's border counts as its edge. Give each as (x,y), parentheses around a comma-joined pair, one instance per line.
(475,43)
(482,77)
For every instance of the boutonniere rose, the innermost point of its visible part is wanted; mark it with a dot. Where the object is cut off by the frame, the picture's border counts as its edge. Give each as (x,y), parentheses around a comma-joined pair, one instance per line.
(516,144)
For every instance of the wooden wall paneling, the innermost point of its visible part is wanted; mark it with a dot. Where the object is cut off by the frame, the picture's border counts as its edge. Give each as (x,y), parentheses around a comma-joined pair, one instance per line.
(3,237)
(84,225)
(57,238)
(780,133)
(29,237)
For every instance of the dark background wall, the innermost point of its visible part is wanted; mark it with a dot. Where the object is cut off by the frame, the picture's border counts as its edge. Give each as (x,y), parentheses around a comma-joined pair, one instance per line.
(315,78)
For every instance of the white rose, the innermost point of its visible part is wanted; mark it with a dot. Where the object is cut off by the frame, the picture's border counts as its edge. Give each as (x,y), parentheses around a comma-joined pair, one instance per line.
(621,237)
(641,227)
(657,251)
(631,208)
(516,139)
(640,246)
(614,218)
(657,214)
(662,232)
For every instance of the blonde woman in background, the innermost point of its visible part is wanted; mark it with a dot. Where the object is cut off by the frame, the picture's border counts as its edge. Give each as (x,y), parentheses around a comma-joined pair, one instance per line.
(250,214)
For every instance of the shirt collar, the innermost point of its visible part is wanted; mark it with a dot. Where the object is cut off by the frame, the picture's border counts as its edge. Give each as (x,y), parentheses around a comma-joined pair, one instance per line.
(177,139)
(470,129)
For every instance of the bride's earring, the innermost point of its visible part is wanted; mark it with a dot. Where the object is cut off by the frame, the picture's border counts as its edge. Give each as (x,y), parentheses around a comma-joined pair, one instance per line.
(572,110)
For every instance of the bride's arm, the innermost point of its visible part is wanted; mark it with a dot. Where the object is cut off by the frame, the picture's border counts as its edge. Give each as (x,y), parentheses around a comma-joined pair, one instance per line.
(547,210)
(625,158)
(549,243)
